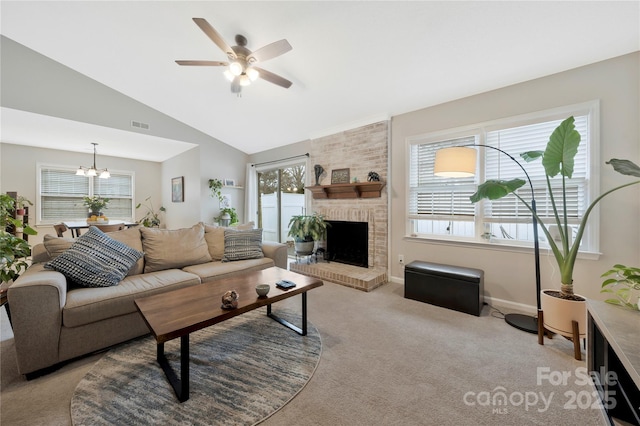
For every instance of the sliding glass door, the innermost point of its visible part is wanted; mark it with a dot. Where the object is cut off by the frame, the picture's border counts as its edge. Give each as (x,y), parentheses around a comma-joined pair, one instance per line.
(280,196)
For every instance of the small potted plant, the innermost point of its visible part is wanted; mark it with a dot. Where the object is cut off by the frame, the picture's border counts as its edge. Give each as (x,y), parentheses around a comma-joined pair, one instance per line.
(228,216)
(559,307)
(95,204)
(151,219)
(624,285)
(21,202)
(306,230)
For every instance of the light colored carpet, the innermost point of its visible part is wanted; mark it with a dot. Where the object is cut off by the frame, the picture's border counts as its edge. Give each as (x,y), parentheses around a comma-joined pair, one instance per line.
(241,371)
(386,360)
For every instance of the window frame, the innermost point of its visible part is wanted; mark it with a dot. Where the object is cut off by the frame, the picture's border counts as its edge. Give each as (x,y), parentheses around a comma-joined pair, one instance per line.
(481,130)
(61,167)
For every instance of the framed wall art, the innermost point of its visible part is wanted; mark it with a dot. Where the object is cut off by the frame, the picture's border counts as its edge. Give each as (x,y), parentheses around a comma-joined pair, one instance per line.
(177,189)
(339,176)
(229,182)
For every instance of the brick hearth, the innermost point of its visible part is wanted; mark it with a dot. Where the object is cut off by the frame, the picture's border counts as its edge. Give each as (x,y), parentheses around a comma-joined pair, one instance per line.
(357,277)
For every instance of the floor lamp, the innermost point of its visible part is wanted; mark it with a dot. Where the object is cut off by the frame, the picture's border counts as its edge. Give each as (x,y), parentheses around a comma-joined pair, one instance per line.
(460,161)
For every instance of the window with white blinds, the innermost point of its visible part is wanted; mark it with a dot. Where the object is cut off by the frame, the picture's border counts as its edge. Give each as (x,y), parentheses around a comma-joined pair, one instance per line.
(61,193)
(440,208)
(533,137)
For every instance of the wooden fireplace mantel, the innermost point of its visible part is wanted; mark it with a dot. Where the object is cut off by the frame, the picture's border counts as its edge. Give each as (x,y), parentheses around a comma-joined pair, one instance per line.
(347,190)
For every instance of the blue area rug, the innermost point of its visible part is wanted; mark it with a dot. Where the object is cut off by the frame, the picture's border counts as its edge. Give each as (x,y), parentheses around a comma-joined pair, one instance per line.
(242,371)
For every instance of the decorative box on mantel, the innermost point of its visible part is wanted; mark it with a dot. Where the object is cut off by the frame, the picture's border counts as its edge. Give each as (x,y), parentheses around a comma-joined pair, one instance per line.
(347,190)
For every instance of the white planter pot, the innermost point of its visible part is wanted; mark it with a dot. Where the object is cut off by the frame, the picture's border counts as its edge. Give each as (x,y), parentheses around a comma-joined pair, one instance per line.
(559,313)
(304,248)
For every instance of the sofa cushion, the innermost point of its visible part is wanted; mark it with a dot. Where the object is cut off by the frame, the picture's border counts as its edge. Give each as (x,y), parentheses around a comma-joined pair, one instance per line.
(176,248)
(55,246)
(217,270)
(241,245)
(95,260)
(214,235)
(85,306)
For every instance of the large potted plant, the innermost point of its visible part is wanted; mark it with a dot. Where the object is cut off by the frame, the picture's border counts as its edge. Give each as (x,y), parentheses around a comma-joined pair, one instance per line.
(559,307)
(13,250)
(306,230)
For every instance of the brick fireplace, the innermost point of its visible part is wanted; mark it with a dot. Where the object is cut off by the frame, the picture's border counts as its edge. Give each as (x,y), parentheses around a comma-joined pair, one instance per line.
(360,150)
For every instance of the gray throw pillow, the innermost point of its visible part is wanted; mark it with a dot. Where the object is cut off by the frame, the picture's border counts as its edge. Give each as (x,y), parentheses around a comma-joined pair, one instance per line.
(240,245)
(95,260)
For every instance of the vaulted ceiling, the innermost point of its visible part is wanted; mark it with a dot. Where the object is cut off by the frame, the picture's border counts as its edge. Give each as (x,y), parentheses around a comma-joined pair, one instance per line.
(352,62)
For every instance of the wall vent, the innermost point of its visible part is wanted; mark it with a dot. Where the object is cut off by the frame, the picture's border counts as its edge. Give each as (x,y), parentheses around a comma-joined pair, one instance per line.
(140,125)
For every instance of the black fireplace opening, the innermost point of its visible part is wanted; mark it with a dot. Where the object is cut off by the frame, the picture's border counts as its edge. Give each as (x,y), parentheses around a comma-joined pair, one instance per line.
(348,242)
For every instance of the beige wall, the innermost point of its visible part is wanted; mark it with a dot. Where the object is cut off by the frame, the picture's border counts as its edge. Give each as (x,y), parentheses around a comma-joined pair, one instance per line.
(18,173)
(509,276)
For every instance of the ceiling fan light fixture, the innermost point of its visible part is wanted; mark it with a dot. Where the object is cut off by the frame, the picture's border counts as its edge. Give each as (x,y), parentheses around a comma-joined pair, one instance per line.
(236,68)
(253,74)
(229,75)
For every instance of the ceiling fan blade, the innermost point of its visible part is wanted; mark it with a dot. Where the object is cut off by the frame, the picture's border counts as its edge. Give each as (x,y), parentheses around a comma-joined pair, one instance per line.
(215,37)
(273,78)
(269,51)
(203,63)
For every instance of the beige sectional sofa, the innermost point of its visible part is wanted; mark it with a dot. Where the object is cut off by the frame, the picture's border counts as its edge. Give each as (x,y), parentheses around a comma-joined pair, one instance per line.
(55,320)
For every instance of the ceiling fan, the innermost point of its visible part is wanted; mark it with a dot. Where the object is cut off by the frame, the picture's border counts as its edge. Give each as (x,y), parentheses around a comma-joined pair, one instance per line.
(242,70)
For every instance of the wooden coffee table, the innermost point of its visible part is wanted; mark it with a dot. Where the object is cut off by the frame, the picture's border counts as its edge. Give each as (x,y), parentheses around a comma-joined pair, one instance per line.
(180,312)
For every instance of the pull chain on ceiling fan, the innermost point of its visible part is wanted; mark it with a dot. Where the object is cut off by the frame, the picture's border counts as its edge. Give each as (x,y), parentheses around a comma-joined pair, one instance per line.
(242,70)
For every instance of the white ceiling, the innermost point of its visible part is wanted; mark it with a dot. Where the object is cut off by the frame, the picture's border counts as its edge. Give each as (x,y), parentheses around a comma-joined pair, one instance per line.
(352,63)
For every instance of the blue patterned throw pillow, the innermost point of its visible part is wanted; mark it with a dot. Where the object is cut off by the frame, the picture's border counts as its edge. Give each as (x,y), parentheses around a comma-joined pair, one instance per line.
(240,245)
(95,260)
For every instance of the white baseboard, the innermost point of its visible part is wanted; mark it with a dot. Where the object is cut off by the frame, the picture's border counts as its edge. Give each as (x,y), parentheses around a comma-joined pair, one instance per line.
(499,303)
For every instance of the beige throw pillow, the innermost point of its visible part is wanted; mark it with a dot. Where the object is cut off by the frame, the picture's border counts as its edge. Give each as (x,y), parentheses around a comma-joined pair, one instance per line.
(131,237)
(214,235)
(175,248)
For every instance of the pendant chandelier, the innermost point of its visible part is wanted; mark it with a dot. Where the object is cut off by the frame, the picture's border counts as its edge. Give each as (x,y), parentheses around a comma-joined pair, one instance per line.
(93,171)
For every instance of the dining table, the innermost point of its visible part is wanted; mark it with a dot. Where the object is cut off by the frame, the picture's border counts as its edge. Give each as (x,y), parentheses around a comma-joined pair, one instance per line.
(76,226)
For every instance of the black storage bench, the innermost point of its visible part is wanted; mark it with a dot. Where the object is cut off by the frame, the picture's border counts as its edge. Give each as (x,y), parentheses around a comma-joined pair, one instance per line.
(453,287)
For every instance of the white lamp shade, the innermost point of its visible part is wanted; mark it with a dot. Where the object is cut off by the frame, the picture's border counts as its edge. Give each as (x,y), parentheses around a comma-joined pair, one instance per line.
(105,174)
(92,172)
(228,75)
(253,74)
(458,161)
(244,80)
(80,172)
(235,68)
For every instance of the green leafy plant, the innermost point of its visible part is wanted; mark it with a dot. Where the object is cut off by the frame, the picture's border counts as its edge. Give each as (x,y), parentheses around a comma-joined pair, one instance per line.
(95,203)
(558,159)
(13,250)
(215,185)
(308,228)
(232,213)
(151,219)
(621,285)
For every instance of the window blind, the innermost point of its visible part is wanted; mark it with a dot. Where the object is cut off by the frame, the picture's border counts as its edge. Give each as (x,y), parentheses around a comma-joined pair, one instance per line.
(531,138)
(435,197)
